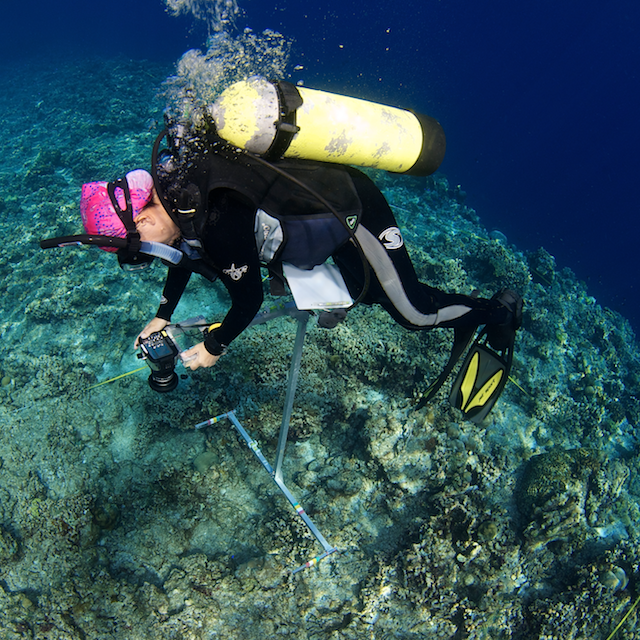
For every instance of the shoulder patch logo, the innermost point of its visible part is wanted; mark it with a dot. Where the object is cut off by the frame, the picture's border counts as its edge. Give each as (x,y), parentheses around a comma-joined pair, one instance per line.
(351,221)
(391,238)
(235,273)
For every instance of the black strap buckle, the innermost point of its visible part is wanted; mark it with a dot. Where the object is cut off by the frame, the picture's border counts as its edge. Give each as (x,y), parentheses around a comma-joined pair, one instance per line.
(125,215)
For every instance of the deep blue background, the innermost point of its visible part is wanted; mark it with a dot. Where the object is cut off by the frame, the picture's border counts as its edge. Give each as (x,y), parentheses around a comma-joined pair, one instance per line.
(540,100)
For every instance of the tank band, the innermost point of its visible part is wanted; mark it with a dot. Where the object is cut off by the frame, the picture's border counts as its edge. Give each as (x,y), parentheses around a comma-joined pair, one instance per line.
(289,99)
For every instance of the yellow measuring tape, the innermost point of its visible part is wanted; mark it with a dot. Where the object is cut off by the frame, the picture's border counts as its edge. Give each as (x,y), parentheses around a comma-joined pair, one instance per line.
(613,633)
(124,375)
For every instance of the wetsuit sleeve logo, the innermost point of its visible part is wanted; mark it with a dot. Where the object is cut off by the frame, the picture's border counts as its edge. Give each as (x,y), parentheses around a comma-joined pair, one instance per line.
(235,273)
(391,238)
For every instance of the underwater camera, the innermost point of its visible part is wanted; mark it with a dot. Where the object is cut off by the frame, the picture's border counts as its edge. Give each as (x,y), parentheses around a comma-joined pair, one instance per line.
(161,354)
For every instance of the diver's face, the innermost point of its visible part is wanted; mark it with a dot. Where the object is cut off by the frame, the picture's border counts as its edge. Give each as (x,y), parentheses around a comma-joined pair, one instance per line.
(154,224)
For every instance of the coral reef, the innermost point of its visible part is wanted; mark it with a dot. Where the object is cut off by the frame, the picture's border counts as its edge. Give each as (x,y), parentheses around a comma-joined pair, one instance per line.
(119,520)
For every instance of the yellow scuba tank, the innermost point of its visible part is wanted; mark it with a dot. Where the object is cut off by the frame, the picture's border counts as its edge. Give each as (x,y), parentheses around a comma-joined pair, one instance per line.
(281,120)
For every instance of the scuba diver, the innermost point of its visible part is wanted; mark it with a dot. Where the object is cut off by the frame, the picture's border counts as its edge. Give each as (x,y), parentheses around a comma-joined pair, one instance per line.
(216,208)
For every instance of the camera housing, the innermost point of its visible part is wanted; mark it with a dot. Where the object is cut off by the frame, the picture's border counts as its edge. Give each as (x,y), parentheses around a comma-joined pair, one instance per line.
(161,354)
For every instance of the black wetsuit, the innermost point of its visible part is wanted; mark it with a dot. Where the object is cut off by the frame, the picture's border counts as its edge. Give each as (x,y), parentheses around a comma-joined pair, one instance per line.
(229,244)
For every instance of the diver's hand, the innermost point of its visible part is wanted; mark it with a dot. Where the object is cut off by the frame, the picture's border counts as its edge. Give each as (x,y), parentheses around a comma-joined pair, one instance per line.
(157,324)
(197,357)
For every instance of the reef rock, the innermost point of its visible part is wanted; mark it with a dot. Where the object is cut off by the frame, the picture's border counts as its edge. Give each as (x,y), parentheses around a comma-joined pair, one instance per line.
(552,495)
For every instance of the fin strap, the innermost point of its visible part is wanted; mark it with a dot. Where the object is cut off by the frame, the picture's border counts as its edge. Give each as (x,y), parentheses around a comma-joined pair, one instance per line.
(461,340)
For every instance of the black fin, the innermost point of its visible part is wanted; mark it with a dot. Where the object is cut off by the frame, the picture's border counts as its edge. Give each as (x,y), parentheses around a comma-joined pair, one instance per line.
(461,340)
(482,378)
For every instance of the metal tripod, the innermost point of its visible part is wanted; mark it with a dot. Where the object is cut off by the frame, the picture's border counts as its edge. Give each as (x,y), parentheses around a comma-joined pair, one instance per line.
(292,382)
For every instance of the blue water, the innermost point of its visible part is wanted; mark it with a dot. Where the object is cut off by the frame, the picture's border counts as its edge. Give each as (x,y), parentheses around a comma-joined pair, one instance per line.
(540,100)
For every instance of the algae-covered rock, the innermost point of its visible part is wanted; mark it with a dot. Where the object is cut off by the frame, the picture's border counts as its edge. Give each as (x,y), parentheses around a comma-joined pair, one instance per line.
(552,493)
(614,578)
(551,474)
(204,461)
(8,546)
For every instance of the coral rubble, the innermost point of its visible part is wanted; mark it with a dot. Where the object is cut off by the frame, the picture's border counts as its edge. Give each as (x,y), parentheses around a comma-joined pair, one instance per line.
(119,520)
